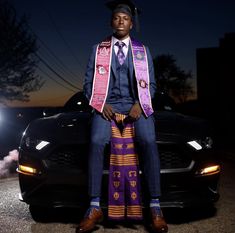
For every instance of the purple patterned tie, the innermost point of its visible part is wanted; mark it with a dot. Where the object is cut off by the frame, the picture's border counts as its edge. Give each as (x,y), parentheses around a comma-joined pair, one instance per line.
(120,53)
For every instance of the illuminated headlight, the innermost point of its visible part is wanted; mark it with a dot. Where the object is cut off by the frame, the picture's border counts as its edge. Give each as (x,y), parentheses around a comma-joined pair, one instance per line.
(210,170)
(195,145)
(35,144)
(26,169)
(41,145)
(201,144)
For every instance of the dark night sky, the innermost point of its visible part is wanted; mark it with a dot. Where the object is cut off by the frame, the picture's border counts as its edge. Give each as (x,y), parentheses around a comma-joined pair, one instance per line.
(69,28)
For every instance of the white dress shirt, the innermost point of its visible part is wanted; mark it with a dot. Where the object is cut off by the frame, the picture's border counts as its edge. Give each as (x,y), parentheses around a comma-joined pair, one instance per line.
(125,47)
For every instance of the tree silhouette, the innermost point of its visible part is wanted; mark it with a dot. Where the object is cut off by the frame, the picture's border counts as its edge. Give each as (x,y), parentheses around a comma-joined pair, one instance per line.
(171,78)
(17,60)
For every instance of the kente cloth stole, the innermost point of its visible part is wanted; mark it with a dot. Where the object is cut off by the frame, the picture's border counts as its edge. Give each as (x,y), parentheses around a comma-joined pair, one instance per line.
(124,181)
(102,75)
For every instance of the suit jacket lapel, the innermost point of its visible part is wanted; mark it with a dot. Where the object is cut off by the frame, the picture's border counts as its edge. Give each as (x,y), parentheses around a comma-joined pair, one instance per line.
(130,62)
(113,63)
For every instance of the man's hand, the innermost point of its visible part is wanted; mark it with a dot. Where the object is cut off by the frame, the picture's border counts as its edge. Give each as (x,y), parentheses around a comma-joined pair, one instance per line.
(108,112)
(135,112)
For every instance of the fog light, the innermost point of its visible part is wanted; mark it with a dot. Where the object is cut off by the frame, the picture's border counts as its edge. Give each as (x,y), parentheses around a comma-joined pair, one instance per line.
(26,169)
(209,170)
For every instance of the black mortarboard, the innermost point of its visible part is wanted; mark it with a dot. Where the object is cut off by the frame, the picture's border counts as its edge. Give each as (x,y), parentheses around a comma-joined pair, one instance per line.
(125,6)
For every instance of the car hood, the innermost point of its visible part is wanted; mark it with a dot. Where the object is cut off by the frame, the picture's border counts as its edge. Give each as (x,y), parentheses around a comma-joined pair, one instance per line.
(179,125)
(76,125)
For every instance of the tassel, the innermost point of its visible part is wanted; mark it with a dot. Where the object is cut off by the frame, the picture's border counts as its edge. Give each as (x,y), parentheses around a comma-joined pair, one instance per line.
(137,25)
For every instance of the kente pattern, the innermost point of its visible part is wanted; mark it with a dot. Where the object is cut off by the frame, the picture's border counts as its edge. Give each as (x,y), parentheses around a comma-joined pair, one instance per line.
(124,180)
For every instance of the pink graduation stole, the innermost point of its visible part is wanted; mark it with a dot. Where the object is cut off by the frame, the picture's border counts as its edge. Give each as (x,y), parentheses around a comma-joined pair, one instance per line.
(124,181)
(102,75)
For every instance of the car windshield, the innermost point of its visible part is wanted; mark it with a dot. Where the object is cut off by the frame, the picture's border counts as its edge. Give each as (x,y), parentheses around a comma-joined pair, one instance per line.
(163,102)
(78,102)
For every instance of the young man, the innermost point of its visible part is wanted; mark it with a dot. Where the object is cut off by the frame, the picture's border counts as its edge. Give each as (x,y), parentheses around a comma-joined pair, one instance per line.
(120,79)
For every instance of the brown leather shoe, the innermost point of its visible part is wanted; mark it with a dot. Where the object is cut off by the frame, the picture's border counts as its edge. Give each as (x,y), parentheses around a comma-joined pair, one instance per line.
(92,217)
(158,222)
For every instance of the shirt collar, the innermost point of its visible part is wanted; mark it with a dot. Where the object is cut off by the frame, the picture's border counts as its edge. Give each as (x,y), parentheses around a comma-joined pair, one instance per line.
(126,41)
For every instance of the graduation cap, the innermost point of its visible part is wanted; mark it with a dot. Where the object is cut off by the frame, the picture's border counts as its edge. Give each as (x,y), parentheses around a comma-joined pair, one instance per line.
(125,6)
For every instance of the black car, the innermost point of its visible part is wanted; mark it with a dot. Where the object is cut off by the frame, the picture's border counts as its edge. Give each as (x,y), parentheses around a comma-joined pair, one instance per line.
(53,158)
(13,121)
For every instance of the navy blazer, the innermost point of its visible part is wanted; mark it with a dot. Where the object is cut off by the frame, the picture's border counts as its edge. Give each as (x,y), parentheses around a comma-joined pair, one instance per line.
(89,75)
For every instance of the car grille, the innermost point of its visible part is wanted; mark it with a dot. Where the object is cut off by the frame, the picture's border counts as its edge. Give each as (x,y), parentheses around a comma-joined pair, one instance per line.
(171,157)
(68,157)
(172,160)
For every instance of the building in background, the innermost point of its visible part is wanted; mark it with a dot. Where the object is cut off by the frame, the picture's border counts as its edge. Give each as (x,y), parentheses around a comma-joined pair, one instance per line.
(215,87)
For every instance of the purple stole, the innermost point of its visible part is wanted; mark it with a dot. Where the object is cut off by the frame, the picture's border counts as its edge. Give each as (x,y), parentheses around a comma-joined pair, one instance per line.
(102,74)
(124,181)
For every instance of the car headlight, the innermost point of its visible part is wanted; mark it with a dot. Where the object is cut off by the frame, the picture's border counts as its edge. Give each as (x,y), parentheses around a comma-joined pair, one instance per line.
(35,144)
(209,170)
(201,144)
(26,169)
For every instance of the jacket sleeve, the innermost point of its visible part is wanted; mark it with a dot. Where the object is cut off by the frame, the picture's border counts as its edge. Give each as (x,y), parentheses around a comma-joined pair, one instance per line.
(89,74)
(152,81)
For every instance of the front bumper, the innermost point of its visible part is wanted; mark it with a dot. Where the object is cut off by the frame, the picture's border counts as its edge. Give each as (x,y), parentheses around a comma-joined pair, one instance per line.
(62,177)
(68,188)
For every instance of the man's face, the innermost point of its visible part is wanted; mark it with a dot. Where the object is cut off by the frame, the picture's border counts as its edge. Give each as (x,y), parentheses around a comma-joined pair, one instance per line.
(121,24)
